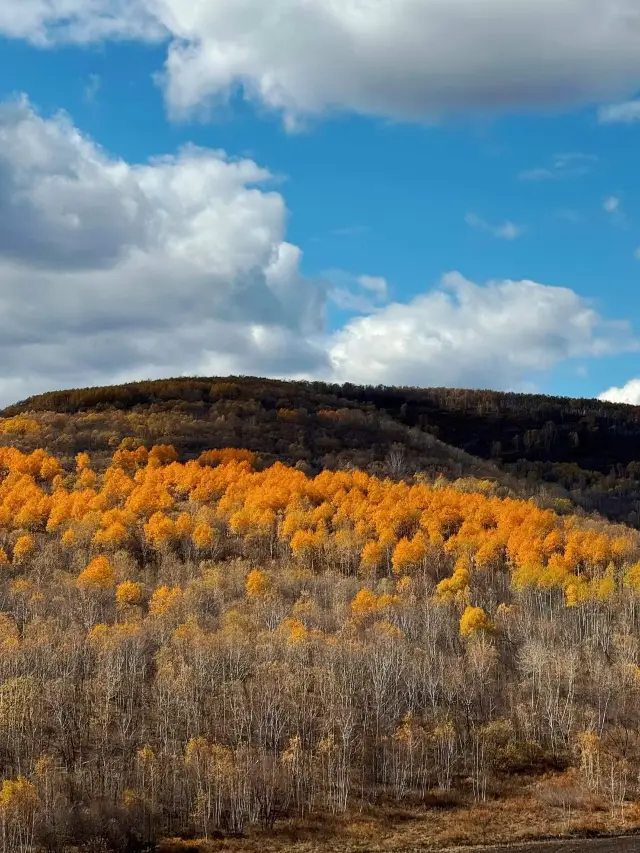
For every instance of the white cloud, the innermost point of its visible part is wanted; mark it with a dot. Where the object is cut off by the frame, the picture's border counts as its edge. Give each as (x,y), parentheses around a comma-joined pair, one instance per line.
(360,294)
(49,22)
(92,88)
(627,112)
(563,167)
(377,285)
(507,231)
(629,393)
(109,269)
(462,334)
(406,59)
(611,204)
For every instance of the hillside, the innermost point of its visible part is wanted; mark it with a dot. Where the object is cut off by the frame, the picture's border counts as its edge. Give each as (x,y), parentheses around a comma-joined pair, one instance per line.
(584,449)
(279,614)
(249,658)
(311,426)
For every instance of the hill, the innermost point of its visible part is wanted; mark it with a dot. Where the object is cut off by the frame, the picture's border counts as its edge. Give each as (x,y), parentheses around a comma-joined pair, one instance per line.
(308,425)
(261,659)
(584,449)
(262,616)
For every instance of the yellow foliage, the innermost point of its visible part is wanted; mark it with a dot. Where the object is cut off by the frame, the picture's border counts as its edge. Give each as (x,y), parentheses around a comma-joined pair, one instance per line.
(577,591)
(203,535)
(23,548)
(146,755)
(128,593)
(388,630)
(87,478)
(474,619)
(162,454)
(226,455)
(287,414)
(409,553)
(50,469)
(21,586)
(456,585)
(83,461)
(98,575)
(304,542)
(98,634)
(164,599)
(114,535)
(18,797)
(159,530)
(295,630)
(258,584)
(68,538)
(604,588)
(632,577)
(129,459)
(45,764)
(364,604)
(19,425)
(184,524)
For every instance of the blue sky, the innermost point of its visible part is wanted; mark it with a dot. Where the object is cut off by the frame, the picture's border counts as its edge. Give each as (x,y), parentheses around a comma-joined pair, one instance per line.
(498,182)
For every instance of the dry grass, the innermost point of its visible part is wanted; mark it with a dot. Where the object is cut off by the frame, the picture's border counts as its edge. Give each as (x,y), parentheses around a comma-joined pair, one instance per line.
(531,812)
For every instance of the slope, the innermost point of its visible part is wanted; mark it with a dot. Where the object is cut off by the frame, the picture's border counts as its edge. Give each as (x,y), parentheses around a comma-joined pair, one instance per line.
(586,449)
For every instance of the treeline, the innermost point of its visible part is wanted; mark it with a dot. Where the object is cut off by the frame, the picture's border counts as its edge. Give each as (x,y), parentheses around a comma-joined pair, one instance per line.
(586,448)
(189,649)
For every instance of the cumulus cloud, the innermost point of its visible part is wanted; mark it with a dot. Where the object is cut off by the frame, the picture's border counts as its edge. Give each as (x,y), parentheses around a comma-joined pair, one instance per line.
(627,112)
(507,231)
(50,22)
(406,59)
(629,393)
(374,284)
(360,294)
(111,270)
(463,334)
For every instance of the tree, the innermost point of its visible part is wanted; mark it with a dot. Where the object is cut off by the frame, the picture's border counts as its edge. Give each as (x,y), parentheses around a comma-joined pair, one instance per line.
(98,575)
(128,593)
(23,547)
(18,804)
(474,619)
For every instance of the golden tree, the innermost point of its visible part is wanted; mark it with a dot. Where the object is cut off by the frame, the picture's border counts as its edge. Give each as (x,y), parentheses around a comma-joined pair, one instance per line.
(98,575)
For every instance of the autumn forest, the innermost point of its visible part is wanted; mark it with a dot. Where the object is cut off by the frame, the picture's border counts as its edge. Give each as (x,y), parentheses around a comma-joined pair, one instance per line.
(201,641)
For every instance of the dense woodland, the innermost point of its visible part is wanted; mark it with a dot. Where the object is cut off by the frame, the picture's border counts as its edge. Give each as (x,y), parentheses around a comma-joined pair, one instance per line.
(200,639)
(584,450)
(194,648)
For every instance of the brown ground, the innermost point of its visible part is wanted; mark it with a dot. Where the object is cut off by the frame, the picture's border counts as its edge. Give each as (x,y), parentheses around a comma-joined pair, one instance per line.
(593,845)
(513,822)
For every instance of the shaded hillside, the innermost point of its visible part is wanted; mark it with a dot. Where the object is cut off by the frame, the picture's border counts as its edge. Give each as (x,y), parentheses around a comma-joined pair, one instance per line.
(586,447)
(311,426)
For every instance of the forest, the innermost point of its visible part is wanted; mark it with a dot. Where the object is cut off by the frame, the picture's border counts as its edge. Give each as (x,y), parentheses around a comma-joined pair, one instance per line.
(219,650)
(584,451)
(241,613)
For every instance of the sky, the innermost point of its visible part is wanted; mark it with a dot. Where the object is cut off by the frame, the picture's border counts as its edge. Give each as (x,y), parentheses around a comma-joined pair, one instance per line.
(412,192)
